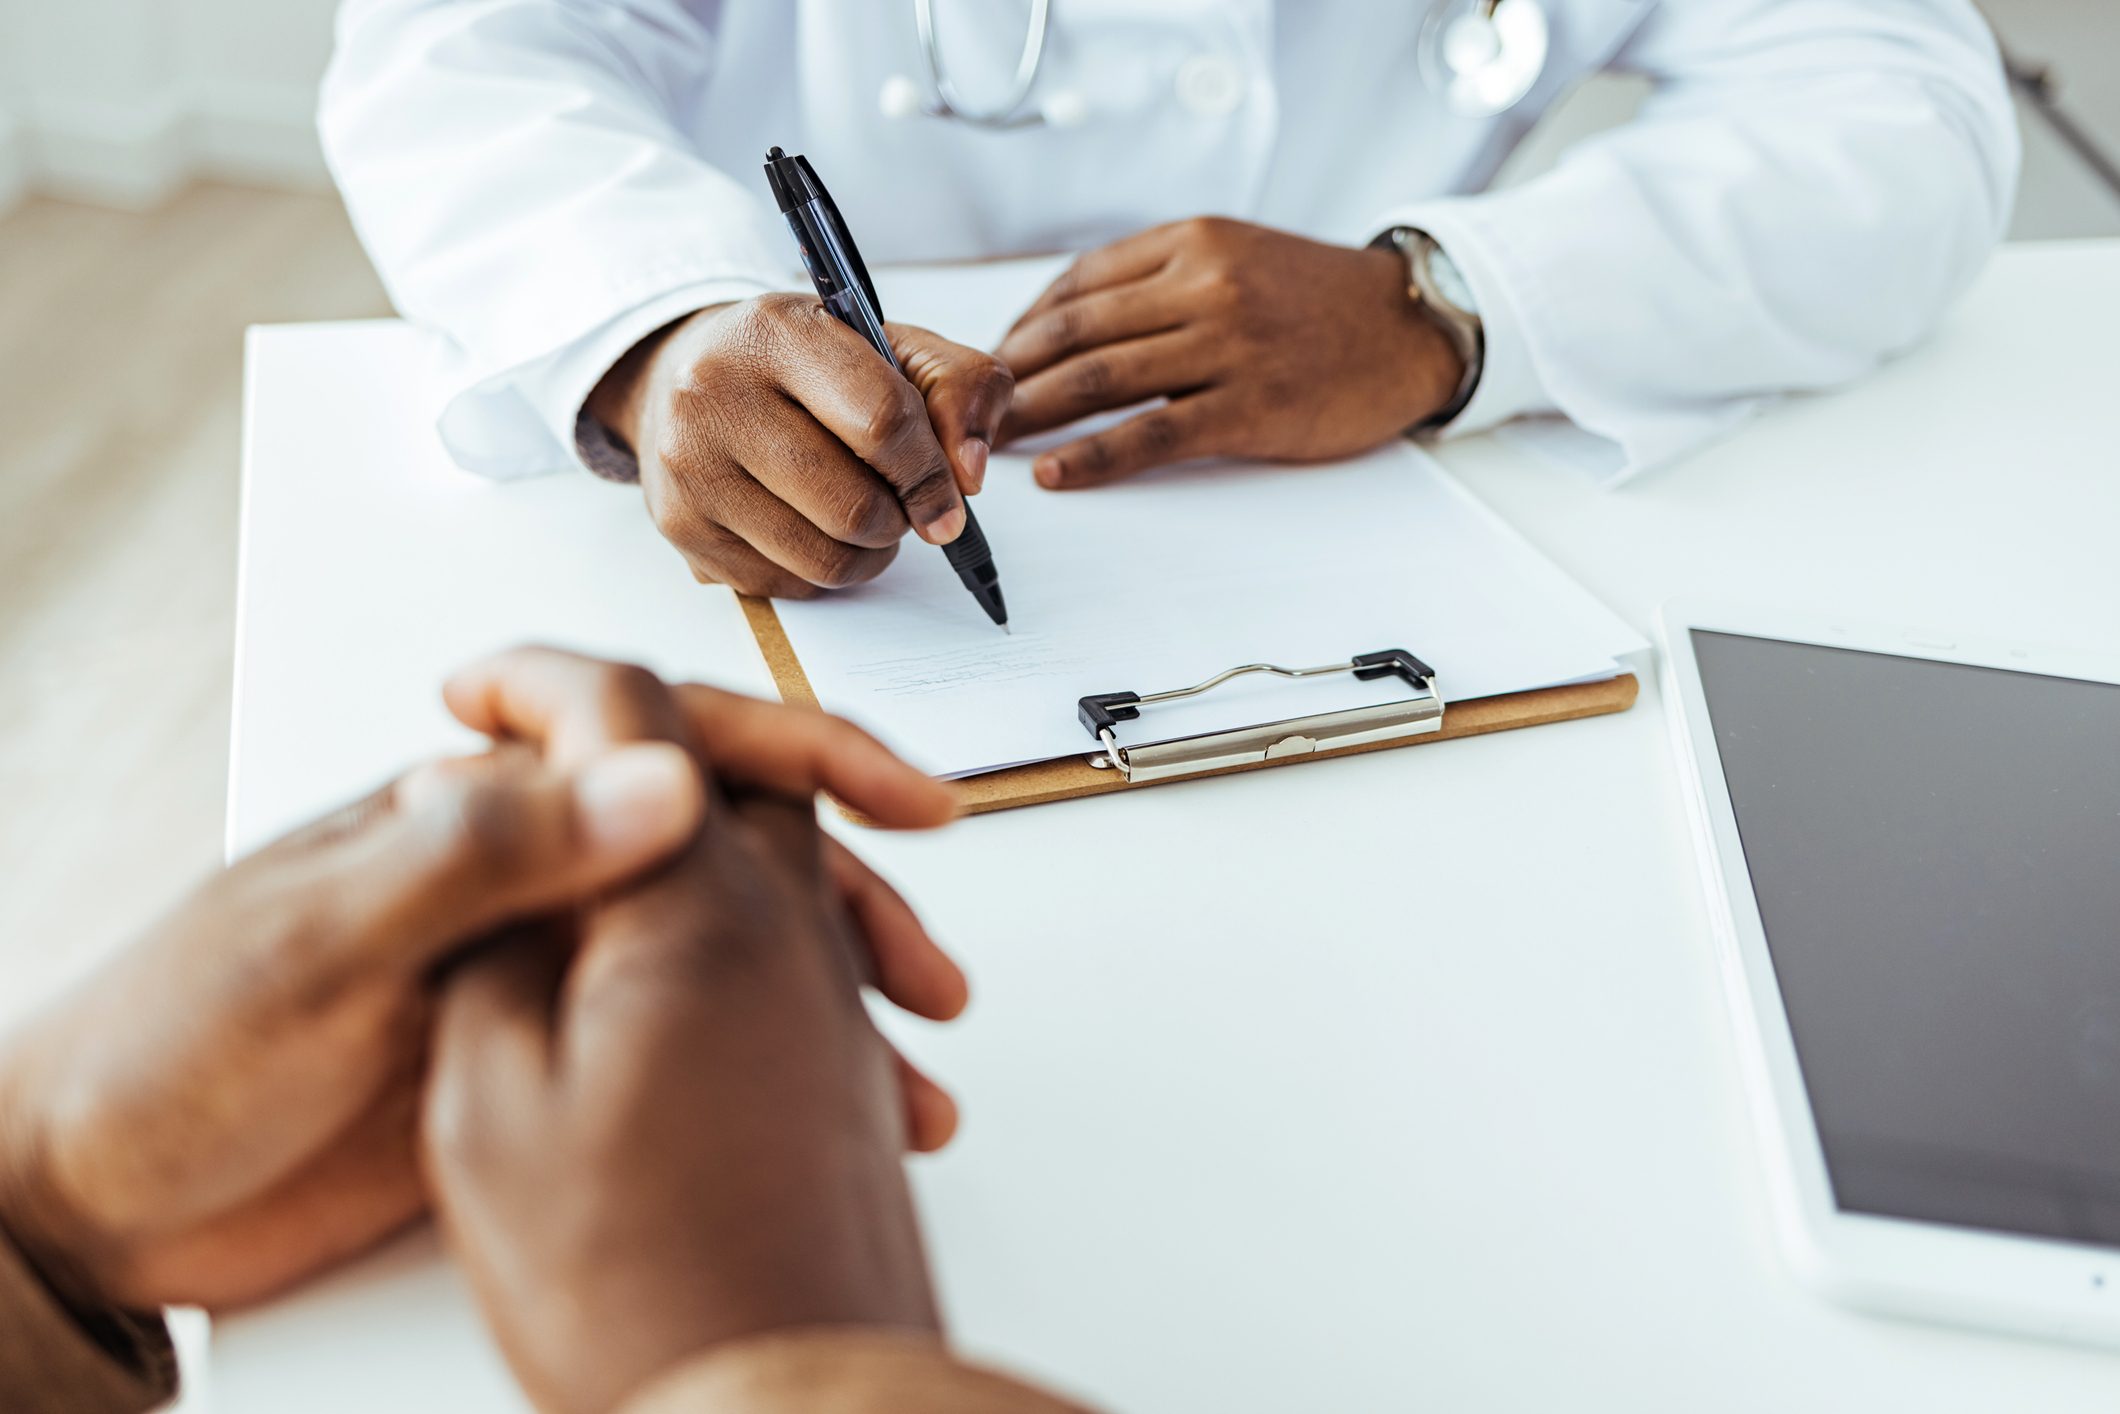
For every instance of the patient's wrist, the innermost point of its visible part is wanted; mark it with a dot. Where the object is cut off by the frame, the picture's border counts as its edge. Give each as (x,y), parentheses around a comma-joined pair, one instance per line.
(35,1222)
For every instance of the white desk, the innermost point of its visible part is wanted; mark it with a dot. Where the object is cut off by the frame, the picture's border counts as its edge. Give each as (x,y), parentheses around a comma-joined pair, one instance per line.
(1307,1098)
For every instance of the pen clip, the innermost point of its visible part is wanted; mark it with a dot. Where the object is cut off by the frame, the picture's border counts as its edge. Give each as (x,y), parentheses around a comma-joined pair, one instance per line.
(846,237)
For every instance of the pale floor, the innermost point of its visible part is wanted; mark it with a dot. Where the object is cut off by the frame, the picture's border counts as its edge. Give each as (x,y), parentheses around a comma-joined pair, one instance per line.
(121,365)
(121,360)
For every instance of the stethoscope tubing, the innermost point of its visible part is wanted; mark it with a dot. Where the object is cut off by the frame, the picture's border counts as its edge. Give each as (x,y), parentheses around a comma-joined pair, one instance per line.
(1014,110)
(1010,111)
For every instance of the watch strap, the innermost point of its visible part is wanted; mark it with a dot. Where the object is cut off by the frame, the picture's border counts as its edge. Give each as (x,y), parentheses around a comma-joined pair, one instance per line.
(1463,328)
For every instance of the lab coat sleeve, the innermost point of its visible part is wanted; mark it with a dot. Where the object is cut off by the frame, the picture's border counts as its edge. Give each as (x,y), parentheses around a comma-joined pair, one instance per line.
(1805,191)
(519,173)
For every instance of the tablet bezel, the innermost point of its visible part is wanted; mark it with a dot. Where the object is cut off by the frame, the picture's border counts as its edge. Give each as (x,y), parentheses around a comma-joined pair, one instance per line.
(1901,1266)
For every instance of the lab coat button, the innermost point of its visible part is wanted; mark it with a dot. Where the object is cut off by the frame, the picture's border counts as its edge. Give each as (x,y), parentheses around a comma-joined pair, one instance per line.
(1210,86)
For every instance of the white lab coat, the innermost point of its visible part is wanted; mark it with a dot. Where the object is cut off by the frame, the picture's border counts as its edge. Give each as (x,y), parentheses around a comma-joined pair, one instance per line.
(1809,185)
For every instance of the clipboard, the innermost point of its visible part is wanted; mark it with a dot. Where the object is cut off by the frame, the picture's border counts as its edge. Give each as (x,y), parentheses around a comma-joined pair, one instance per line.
(1105,767)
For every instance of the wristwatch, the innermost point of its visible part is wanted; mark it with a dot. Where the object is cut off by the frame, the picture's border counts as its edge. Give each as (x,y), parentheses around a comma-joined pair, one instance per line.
(1438,290)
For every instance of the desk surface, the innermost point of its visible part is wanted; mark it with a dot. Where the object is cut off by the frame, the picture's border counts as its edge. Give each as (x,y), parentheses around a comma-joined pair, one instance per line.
(1233,1141)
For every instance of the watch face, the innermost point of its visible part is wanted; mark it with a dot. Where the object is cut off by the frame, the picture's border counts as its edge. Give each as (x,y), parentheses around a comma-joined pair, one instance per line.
(1449,281)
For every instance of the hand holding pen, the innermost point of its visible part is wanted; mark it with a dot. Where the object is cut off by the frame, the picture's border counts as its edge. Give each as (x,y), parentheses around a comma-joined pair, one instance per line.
(782,457)
(849,295)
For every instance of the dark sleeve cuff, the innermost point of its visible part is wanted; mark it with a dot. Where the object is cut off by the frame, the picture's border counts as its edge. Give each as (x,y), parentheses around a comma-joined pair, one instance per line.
(599,450)
(54,1360)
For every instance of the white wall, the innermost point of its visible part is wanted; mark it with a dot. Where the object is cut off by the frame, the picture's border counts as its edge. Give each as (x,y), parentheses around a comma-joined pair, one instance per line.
(14,155)
(14,158)
(122,101)
(252,67)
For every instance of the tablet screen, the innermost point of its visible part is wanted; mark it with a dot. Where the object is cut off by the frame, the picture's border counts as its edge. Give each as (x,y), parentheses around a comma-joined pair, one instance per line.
(1936,852)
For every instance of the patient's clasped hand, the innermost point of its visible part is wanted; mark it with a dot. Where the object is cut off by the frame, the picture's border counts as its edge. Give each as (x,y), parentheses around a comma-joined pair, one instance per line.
(592,997)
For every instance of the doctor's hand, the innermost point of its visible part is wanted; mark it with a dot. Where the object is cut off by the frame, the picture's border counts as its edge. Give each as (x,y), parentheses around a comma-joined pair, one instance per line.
(781,455)
(683,1132)
(1266,345)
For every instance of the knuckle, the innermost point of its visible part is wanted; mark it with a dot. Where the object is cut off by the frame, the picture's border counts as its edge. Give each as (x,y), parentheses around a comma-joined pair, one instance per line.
(777,311)
(679,518)
(860,565)
(1092,377)
(746,580)
(1064,329)
(756,583)
(1070,281)
(725,561)
(1222,285)
(477,832)
(1159,435)
(861,513)
(745,347)
(719,545)
(626,685)
(834,564)
(1206,231)
(998,380)
(932,487)
(770,582)
(892,414)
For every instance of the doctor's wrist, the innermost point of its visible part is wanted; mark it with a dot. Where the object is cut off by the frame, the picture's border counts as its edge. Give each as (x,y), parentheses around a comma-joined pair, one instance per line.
(1427,365)
(1438,292)
(620,401)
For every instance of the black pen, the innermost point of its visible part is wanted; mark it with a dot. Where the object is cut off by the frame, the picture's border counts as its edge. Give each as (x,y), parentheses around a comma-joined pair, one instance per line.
(843,283)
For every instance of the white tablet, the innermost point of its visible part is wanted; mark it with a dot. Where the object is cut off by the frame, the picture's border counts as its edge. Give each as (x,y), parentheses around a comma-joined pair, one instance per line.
(1912,852)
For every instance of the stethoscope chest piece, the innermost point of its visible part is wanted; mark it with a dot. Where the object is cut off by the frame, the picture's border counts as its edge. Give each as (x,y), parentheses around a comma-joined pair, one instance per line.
(1483,56)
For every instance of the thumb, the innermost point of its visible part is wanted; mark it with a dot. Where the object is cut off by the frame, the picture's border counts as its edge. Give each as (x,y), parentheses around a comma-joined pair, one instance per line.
(475,843)
(967,392)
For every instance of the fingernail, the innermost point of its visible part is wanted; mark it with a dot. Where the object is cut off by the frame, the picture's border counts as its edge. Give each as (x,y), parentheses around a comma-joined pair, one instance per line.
(947,526)
(637,800)
(1047,470)
(971,455)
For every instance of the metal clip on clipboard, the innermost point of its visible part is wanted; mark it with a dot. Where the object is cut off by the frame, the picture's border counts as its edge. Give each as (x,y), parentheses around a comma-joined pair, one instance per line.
(1270,741)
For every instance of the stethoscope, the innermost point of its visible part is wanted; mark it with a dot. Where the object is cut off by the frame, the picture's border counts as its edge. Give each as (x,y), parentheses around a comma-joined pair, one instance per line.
(902,98)
(1483,56)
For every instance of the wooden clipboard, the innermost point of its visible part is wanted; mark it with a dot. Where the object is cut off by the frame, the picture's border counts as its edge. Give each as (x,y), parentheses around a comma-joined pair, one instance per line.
(1073,776)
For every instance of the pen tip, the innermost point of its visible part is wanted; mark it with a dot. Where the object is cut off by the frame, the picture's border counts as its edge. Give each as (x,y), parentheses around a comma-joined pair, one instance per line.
(1007,630)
